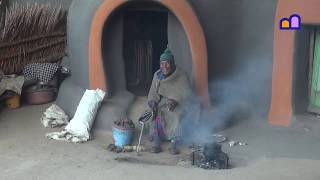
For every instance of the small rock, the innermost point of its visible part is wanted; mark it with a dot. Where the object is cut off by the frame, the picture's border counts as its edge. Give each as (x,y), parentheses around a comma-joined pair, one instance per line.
(233,143)
(242,144)
(306,129)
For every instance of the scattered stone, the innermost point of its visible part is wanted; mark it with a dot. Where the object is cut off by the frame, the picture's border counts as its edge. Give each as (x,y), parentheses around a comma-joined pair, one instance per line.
(233,143)
(242,144)
(307,129)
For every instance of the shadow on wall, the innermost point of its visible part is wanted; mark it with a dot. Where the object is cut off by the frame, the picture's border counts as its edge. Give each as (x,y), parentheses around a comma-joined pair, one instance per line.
(238,32)
(222,35)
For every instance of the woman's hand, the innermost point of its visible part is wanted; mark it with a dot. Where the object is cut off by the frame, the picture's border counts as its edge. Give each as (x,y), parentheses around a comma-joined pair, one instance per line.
(172,104)
(153,105)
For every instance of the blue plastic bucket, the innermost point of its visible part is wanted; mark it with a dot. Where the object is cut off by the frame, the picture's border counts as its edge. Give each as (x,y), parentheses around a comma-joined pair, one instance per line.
(122,136)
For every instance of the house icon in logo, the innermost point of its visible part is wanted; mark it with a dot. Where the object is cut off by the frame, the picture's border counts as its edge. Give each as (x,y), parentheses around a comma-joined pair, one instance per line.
(291,23)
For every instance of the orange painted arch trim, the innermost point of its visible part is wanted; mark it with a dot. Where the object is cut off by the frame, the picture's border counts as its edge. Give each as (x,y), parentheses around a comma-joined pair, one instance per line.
(189,20)
(283,54)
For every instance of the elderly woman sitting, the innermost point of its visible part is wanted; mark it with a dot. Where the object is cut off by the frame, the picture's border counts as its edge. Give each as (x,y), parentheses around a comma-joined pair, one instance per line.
(170,88)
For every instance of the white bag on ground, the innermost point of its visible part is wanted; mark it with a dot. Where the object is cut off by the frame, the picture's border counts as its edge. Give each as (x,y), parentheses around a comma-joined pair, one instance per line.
(80,125)
(54,116)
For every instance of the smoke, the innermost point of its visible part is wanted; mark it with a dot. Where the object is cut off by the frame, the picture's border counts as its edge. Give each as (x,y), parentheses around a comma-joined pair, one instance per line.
(240,96)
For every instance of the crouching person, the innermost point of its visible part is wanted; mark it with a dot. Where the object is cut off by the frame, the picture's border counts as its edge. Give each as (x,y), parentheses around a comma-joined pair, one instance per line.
(170,88)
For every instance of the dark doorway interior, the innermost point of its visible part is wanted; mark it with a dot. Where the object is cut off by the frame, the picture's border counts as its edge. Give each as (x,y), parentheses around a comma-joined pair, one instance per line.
(301,75)
(306,97)
(145,37)
(314,69)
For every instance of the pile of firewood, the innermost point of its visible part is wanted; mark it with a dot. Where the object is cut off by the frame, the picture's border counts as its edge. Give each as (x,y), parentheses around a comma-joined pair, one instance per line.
(124,123)
(117,149)
(31,33)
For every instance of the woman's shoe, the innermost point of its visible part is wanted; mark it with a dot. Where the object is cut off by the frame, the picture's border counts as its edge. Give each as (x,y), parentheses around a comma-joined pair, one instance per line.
(173,149)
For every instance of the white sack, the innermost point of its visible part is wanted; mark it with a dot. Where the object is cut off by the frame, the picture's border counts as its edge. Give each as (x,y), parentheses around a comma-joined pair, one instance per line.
(80,125)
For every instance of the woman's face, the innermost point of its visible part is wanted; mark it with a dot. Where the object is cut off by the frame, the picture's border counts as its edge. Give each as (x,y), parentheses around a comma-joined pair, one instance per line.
(165,67)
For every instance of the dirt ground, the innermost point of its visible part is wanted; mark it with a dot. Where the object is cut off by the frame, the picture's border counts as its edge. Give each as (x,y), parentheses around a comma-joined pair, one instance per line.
(271,153)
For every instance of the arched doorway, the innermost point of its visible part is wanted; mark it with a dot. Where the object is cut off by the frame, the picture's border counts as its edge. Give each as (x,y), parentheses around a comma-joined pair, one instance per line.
(283,54)
(184,12)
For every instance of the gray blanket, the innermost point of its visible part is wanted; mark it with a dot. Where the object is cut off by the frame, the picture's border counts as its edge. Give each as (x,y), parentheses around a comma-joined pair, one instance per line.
(13,83)
(176,87)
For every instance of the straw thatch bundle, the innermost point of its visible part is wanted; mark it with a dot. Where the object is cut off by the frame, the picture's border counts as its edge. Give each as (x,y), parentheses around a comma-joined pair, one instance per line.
(31,33)
(3,6)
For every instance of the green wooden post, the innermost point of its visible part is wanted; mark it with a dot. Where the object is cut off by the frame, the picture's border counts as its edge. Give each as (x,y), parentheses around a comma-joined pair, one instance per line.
(315,84)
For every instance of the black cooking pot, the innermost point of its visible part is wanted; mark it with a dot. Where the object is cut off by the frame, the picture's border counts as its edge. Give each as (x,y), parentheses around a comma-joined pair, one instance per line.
(211,151)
